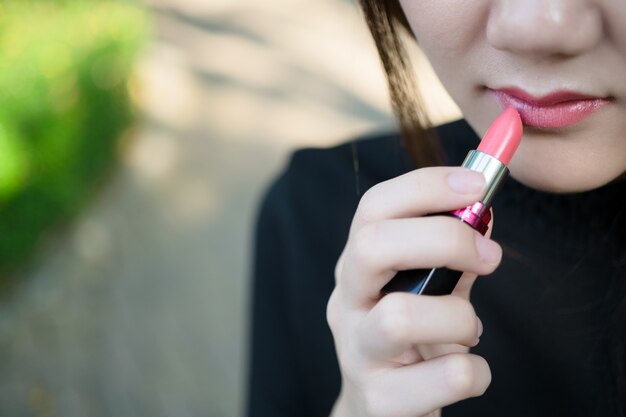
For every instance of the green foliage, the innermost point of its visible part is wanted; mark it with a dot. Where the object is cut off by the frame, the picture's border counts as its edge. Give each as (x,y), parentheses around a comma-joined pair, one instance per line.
(64,68)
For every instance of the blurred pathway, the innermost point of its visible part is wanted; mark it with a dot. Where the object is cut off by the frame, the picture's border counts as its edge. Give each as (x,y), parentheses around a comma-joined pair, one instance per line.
(139,308)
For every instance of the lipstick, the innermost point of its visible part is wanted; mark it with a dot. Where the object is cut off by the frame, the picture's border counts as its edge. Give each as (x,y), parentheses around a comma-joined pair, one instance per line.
(491,159)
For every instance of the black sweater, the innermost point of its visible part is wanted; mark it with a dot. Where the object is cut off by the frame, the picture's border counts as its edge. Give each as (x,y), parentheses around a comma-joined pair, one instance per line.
(548,311)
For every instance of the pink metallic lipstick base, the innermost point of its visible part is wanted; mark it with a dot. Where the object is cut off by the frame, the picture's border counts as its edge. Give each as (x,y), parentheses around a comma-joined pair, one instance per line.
(477,215)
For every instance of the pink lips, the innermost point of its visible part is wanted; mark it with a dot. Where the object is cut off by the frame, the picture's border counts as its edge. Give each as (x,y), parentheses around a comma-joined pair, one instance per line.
(556,110)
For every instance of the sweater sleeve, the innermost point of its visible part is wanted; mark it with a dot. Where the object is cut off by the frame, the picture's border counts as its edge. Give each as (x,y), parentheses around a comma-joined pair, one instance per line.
(274,381)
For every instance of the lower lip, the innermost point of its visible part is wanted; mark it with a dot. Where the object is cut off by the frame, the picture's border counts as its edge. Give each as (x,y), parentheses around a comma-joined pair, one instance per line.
(552,116)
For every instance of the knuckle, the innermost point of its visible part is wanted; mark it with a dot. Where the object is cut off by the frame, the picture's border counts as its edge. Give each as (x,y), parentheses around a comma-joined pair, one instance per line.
(332,314)
(447,229)
(458,235)
(365,246)
(482,385)
(420,182)
(460,375)
(367,209)
(393,318)
(466,316)
(457,238)
(339,266)
(427,180)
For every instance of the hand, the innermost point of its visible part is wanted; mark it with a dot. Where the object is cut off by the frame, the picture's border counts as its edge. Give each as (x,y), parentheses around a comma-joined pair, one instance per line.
(404,354)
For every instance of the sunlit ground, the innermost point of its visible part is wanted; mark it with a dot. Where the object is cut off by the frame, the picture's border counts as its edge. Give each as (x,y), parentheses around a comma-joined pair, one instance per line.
(139,309)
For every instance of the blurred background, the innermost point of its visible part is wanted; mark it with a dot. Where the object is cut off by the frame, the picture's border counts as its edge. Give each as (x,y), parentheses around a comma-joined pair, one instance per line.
(136,140)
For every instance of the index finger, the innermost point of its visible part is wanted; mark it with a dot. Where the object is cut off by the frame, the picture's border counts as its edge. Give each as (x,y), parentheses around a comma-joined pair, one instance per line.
(420,192)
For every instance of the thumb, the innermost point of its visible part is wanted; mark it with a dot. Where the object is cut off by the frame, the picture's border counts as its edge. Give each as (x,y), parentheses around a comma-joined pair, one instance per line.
(464,286)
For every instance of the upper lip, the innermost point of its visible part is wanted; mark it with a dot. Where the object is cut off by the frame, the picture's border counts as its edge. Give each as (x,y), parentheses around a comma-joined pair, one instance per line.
(550,99)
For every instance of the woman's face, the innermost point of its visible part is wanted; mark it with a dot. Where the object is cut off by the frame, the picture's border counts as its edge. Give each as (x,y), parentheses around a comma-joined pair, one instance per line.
(561,63)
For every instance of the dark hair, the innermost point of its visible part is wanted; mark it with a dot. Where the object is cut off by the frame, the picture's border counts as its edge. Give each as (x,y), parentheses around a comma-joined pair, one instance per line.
(386,22)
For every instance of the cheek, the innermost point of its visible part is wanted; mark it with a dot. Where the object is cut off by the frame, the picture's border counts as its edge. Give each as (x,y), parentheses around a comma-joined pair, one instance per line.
(615,21)
(446,28)
(451,33)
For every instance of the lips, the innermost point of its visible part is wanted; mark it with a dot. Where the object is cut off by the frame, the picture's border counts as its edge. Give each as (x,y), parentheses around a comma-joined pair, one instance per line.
(556,110)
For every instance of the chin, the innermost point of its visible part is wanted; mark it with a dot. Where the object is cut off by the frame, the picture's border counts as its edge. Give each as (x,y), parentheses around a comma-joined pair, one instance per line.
(558,172)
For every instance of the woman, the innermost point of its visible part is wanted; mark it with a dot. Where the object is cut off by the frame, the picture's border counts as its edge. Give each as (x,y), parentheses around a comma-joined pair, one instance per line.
(550,337)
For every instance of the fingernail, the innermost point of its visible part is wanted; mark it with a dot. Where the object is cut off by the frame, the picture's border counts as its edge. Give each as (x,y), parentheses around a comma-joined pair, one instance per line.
(488,250)
(480,328)
(466,181)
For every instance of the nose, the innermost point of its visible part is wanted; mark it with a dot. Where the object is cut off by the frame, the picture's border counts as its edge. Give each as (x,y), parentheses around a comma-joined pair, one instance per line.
(544,27)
